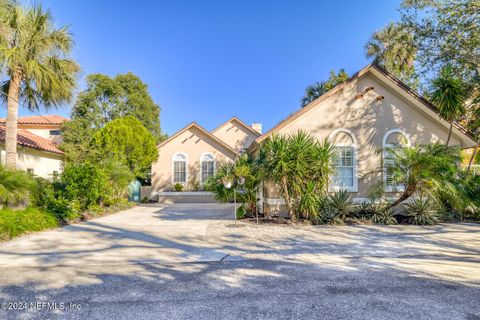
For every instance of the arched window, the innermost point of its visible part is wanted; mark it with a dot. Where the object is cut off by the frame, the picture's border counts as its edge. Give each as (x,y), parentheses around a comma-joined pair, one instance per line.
(179,164)
(207,167)
(392,140)
(345,160)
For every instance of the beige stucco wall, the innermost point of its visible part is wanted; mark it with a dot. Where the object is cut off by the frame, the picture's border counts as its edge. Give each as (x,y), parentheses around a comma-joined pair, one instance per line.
(42,163)
(194,143)
(235,135)
(369,120)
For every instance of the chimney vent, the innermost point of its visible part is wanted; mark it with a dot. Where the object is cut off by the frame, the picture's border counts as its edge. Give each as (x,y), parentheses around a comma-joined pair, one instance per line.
(257,127)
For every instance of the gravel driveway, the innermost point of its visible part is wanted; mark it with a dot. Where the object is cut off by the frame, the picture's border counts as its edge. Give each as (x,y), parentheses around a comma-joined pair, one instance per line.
(189,261)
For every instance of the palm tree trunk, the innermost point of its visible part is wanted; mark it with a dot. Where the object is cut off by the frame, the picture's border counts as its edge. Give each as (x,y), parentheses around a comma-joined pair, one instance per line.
(449,134)
(472,157)
(11,122)
(409,191)
(286,195)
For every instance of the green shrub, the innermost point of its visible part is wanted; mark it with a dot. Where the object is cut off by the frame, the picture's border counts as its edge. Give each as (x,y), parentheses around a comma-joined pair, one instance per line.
(178,187)
(329,216)
(17,222)
(15,187)
(84,183)
(422,211)
(341,204)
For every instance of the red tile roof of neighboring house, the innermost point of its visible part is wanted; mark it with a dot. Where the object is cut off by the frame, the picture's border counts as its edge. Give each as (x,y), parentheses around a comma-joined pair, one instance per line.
(27,139)
(45,119)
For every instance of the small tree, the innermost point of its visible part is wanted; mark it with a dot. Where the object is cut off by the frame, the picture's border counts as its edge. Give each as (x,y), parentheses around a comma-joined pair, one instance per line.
(423,168)
(293,162)
(129,142)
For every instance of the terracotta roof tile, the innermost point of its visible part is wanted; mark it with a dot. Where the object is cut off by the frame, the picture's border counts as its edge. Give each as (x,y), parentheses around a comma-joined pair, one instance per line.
(27,139)
(45,119)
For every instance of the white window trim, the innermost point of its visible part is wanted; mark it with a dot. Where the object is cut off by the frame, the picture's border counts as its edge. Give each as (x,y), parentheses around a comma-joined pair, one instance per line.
(384,154)
(331,137)
(173,167)
(201,167)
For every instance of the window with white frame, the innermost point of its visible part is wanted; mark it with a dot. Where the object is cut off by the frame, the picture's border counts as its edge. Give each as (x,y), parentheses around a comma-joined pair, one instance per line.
(207,167)
(179,168)
(345,176)
(393,140)
(345,168)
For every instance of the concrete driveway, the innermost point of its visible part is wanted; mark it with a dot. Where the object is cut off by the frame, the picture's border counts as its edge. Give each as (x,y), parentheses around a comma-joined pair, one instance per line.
(188,261)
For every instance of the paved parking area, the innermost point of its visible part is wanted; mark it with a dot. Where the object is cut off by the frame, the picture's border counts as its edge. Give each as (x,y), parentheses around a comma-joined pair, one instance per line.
(189,261)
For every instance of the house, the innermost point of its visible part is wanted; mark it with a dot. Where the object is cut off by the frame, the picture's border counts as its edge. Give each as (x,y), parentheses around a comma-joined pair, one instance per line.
(191,156)
(38,138)
(362,116)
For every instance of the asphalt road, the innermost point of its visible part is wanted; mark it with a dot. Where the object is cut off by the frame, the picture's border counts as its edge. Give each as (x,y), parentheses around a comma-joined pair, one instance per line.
(189,262)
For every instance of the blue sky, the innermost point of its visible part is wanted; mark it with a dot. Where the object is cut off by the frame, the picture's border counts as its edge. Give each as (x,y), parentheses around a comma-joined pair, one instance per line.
(209,60)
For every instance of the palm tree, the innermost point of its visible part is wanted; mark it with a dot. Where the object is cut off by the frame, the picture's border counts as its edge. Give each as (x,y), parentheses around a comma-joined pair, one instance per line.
(35,59)
(449,96)
(393,48)
(313,92)
(423,168)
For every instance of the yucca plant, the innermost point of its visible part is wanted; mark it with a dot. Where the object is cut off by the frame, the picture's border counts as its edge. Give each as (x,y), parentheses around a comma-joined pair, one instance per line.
(292,161)
(421,210)
(377,212)
(309,204)
(340,203)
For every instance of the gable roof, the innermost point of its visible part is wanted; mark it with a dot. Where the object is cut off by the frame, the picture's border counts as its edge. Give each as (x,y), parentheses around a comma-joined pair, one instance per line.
(380,72)
(195,125)
(27,139)
(40,119)
(243,124)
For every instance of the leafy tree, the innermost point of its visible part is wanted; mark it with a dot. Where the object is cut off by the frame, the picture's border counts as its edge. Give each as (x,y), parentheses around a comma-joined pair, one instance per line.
(474,126)
(295,160)
(445,32)
(127,141)
(317,89)
(394,49)
(34,56)
(449,95)
(106,99)
(424,169)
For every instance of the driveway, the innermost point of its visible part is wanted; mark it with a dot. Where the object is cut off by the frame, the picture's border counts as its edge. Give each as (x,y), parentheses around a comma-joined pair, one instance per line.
(189,261)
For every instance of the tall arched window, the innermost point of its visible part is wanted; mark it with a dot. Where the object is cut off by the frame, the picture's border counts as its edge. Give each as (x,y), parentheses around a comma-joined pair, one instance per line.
(179,164)
(393,139)
(207,167)
(345,160)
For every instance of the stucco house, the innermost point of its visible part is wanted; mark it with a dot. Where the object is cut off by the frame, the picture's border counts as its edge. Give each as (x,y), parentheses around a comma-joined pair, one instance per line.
(37,144)
(370,111)
(190,156)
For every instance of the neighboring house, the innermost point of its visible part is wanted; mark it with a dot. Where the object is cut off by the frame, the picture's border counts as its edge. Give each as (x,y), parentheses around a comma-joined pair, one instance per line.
(191,155)
(37,141)
(370,111)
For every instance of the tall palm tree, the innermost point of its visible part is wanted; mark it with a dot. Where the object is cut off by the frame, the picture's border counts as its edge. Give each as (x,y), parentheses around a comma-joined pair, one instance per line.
(393,48)
(34,56)
(449,96)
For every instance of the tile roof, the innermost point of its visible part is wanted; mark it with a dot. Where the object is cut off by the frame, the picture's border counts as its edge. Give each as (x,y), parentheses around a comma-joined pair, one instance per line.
(27,139)
(44,119)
